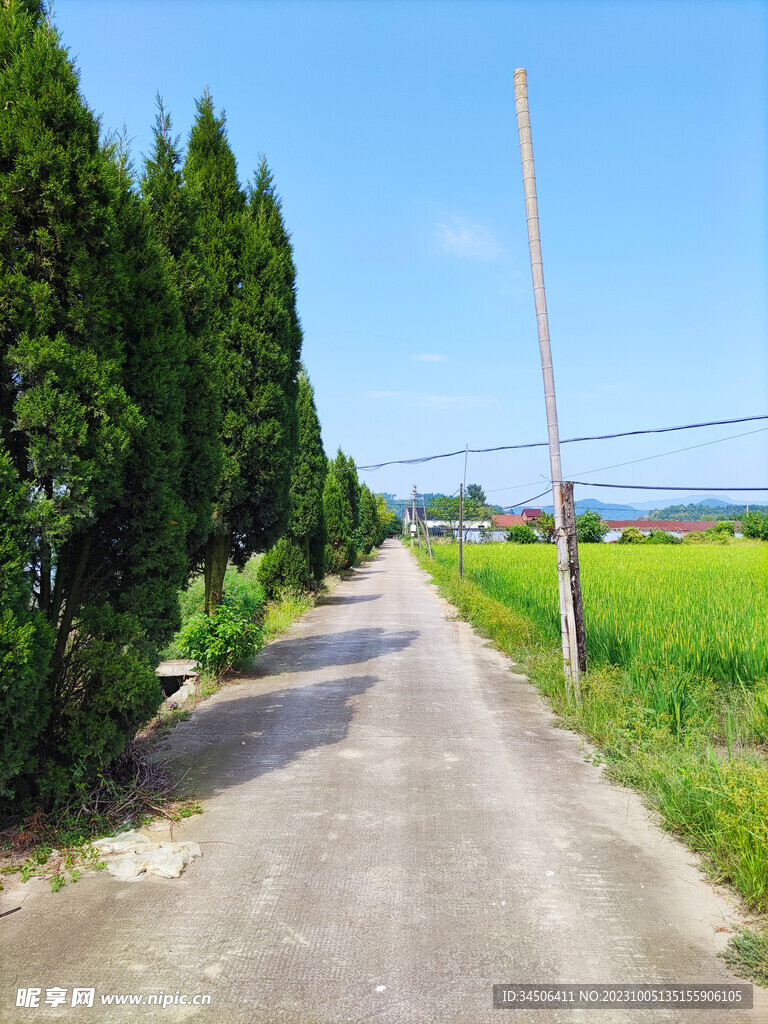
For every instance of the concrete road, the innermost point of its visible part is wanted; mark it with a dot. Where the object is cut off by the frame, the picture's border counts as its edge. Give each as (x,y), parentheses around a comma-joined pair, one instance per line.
(392,825)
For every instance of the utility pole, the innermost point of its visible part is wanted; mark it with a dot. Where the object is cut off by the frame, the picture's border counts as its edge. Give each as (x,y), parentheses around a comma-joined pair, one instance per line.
(413,516)
(569,514)
(461,531)
(567,618)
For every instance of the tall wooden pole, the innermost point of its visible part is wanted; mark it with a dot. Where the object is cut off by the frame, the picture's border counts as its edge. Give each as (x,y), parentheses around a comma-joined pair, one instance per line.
(461,530)
(569,514)
(567,618)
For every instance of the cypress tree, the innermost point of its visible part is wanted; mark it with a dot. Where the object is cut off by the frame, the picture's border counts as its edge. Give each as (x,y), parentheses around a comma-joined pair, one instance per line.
(174,225)
(337,518)
(247,251)
(310,467)
(210,172)
(91,340)
(26,639)
(368,524)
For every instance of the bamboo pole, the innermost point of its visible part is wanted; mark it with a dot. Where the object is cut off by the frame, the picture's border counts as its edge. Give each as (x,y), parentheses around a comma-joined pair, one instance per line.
(461,530)
(567,618)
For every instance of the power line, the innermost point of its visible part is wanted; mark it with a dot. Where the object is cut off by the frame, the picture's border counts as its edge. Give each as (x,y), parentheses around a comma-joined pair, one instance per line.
(568,440)
(663,487)
(519,503)
(677,451)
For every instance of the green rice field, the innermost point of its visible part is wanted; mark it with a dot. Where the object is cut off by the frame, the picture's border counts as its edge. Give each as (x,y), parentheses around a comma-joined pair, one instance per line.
(695,610)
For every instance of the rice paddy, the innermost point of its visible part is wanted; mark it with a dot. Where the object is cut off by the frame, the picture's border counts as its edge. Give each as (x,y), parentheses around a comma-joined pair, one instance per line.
(699,611)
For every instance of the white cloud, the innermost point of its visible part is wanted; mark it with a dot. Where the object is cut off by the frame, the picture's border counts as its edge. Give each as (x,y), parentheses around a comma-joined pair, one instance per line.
(460,237)
(418,400)
(428,357)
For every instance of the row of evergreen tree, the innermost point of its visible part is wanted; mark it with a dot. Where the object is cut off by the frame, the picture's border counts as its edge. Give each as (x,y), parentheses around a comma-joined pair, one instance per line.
(155,421)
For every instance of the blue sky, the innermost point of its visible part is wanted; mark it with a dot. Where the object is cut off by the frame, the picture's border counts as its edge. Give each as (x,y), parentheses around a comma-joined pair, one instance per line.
(390,127)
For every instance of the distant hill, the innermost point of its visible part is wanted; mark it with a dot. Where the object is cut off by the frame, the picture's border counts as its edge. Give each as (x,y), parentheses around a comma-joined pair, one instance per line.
(604,509)
(703,511)
(689,499)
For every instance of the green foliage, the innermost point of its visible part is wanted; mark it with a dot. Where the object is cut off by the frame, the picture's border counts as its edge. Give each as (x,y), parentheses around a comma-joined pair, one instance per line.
(341,550)
(747,955)
(346,473)
(661,537)
(108,691)
(247,254)
(755,525)
(444,510)
(545,527)
(310,468)
(590,528)
(173,222)
(219,641)
(283,569)
(631,535)
(521,533)
(26,639)
(90,404)
(475,494)
(368,526)
(726,526)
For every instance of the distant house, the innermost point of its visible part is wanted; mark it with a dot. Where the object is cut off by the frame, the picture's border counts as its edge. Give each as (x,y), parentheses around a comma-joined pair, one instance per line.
(530,514)
(677,527)
(504,522)
(408,514)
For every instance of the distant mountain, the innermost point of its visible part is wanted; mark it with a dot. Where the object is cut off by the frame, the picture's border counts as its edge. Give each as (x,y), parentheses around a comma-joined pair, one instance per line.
(691,499)
(604,509)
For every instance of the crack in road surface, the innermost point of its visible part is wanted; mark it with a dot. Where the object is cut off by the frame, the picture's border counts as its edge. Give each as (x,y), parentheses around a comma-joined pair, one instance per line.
(392,825)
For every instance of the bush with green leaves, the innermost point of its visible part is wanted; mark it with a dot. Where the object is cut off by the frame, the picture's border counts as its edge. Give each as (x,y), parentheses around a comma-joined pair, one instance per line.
(662,537)
(228,638)
(631,535)
(755,525)
(590,528)
(726,526)
(26,639)
(283,569)
(522,533)
(110,690)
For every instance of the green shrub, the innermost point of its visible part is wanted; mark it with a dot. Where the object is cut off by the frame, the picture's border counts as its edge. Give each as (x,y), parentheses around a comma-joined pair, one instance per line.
(283,569)
(755,525)
(631,535)
(694,537)
(341,557)
(110,690)
(219,641)
(661,537)
(726,526)
(522,533)
(590,528)
(25,637)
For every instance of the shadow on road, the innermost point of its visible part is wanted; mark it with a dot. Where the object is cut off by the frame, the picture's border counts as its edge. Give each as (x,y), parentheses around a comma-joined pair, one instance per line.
(352,599)
(230,742)
(351,647)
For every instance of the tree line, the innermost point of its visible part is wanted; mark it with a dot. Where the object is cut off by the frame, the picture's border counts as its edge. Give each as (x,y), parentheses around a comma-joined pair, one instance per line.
(155,419)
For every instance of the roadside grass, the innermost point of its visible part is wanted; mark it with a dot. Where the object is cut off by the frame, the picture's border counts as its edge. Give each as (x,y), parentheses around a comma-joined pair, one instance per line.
(693,747)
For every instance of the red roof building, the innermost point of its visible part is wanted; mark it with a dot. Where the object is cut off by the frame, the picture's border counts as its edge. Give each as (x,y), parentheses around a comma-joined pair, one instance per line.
(504,522)
(531,513)
(667,525)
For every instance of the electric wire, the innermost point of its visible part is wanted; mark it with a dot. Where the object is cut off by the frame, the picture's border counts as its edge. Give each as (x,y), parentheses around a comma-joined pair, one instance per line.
(568,440)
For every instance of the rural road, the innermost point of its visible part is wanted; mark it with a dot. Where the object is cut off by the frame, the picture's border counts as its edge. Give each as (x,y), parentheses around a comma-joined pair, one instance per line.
(392,824)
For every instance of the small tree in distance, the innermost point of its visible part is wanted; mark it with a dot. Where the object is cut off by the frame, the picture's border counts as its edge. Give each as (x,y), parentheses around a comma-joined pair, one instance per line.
(590,528)
(545,527)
